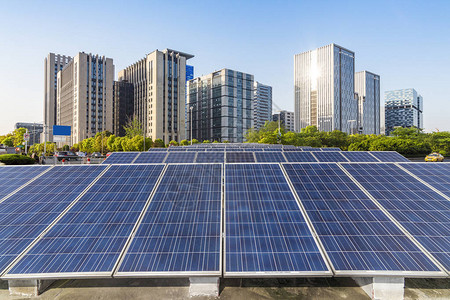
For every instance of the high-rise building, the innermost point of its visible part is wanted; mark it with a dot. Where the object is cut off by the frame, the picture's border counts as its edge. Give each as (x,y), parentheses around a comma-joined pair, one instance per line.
(34,130)
(286,119)
(85,95)
(403,108)
(159,81)
(220,106)
(367,88)
(324,89)
(123,105)
(262,104)
(52,64)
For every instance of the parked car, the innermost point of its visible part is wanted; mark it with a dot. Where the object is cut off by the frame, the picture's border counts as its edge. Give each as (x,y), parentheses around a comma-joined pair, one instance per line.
(67,155)
(96,154)
(434,157)
(81,154)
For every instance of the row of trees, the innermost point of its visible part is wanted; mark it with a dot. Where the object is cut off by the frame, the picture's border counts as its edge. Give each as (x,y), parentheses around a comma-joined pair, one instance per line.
(407,141)
(14,138)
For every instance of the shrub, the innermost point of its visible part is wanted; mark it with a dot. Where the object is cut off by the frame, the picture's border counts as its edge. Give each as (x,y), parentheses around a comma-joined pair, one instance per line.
(16,159)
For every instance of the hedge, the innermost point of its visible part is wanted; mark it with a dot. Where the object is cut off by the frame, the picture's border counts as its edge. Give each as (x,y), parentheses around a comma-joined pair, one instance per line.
(16,159)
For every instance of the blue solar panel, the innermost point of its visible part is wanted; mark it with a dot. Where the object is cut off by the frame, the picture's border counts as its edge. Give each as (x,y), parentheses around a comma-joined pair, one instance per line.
(26,214)
(180,157)
(359,156)
(389,156)
(355,233)
(92,234)
(422,212)
(121,158)
(216,149)
(329,156)
(150,158)
(331,149)
(299,156)
(13,177)
(181,230)
(270,157)
(435,174)
(157,149)
(265,229)
(240,157)
(210,157)
(296,149)
(311,149)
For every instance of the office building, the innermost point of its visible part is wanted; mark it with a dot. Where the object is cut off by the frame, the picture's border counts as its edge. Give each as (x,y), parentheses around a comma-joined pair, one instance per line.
(34,129)
(367,88)
(189,76)
(403,108)
(262,104)
(324,89)
(220,106)
(53,63)
(85,96)
(159,81)
(286,119)
(123,106)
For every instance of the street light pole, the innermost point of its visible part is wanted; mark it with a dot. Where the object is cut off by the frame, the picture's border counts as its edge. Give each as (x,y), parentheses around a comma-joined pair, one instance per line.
(191,122)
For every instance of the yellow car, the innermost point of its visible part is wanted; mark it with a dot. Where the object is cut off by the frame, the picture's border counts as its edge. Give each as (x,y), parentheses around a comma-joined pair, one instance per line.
(434,157)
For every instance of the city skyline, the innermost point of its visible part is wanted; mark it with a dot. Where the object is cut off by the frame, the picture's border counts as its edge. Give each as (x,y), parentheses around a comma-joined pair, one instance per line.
(404,42)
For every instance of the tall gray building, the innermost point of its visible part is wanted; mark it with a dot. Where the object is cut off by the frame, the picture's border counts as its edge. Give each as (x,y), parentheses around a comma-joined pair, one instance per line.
(53,63)
(403,108)
(34,129)
(220,106)
(159,81)
(123,106)
(262,104)
(324,89)
(85,95)
(286,119)
(367,88)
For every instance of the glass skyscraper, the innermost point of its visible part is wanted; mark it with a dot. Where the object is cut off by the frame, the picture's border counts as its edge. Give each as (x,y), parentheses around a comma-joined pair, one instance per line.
(324,89)
(403,108)
(262,104)
(367,88)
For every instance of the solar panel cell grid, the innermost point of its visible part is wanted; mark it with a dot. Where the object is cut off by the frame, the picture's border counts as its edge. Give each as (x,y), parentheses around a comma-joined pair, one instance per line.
(240,157)
(330,156)
(92,234)
(359,156)
(437,175)
(299,156)
(356,234)
(269,157)
(151,157)
(180,157)
(121,158)
(389,156)
(265,230)
(210,157)
(24,215)
(180,232)
(421,211)
(13,177)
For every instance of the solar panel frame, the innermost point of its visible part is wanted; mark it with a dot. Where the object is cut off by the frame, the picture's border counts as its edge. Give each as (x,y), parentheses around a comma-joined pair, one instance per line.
(299,156)
(402,205)
(331,149)
(51,211)
(205,157)
(271,274)
(347,205)
(90,194)
(180,157)
(151,274)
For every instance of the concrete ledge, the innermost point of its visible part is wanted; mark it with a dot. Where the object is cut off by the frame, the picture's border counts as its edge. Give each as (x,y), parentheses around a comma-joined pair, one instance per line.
(380,288)
(204,286)
(28,287)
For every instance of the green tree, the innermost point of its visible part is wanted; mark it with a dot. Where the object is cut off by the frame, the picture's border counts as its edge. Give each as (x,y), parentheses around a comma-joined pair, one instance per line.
(184,143)
(158,143)
(195,141)
(18,136)
(173,143)
(133,128)
(9,142)
(206,142)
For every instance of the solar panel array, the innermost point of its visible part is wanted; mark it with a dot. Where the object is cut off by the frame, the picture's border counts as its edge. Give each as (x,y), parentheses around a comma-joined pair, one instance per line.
(265,229)
(91,235)
(160,214)
(424,213)
(356,234)
(180,231)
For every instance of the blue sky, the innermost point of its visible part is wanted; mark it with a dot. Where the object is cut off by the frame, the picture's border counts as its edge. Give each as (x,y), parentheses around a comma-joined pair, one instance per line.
(406,42)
